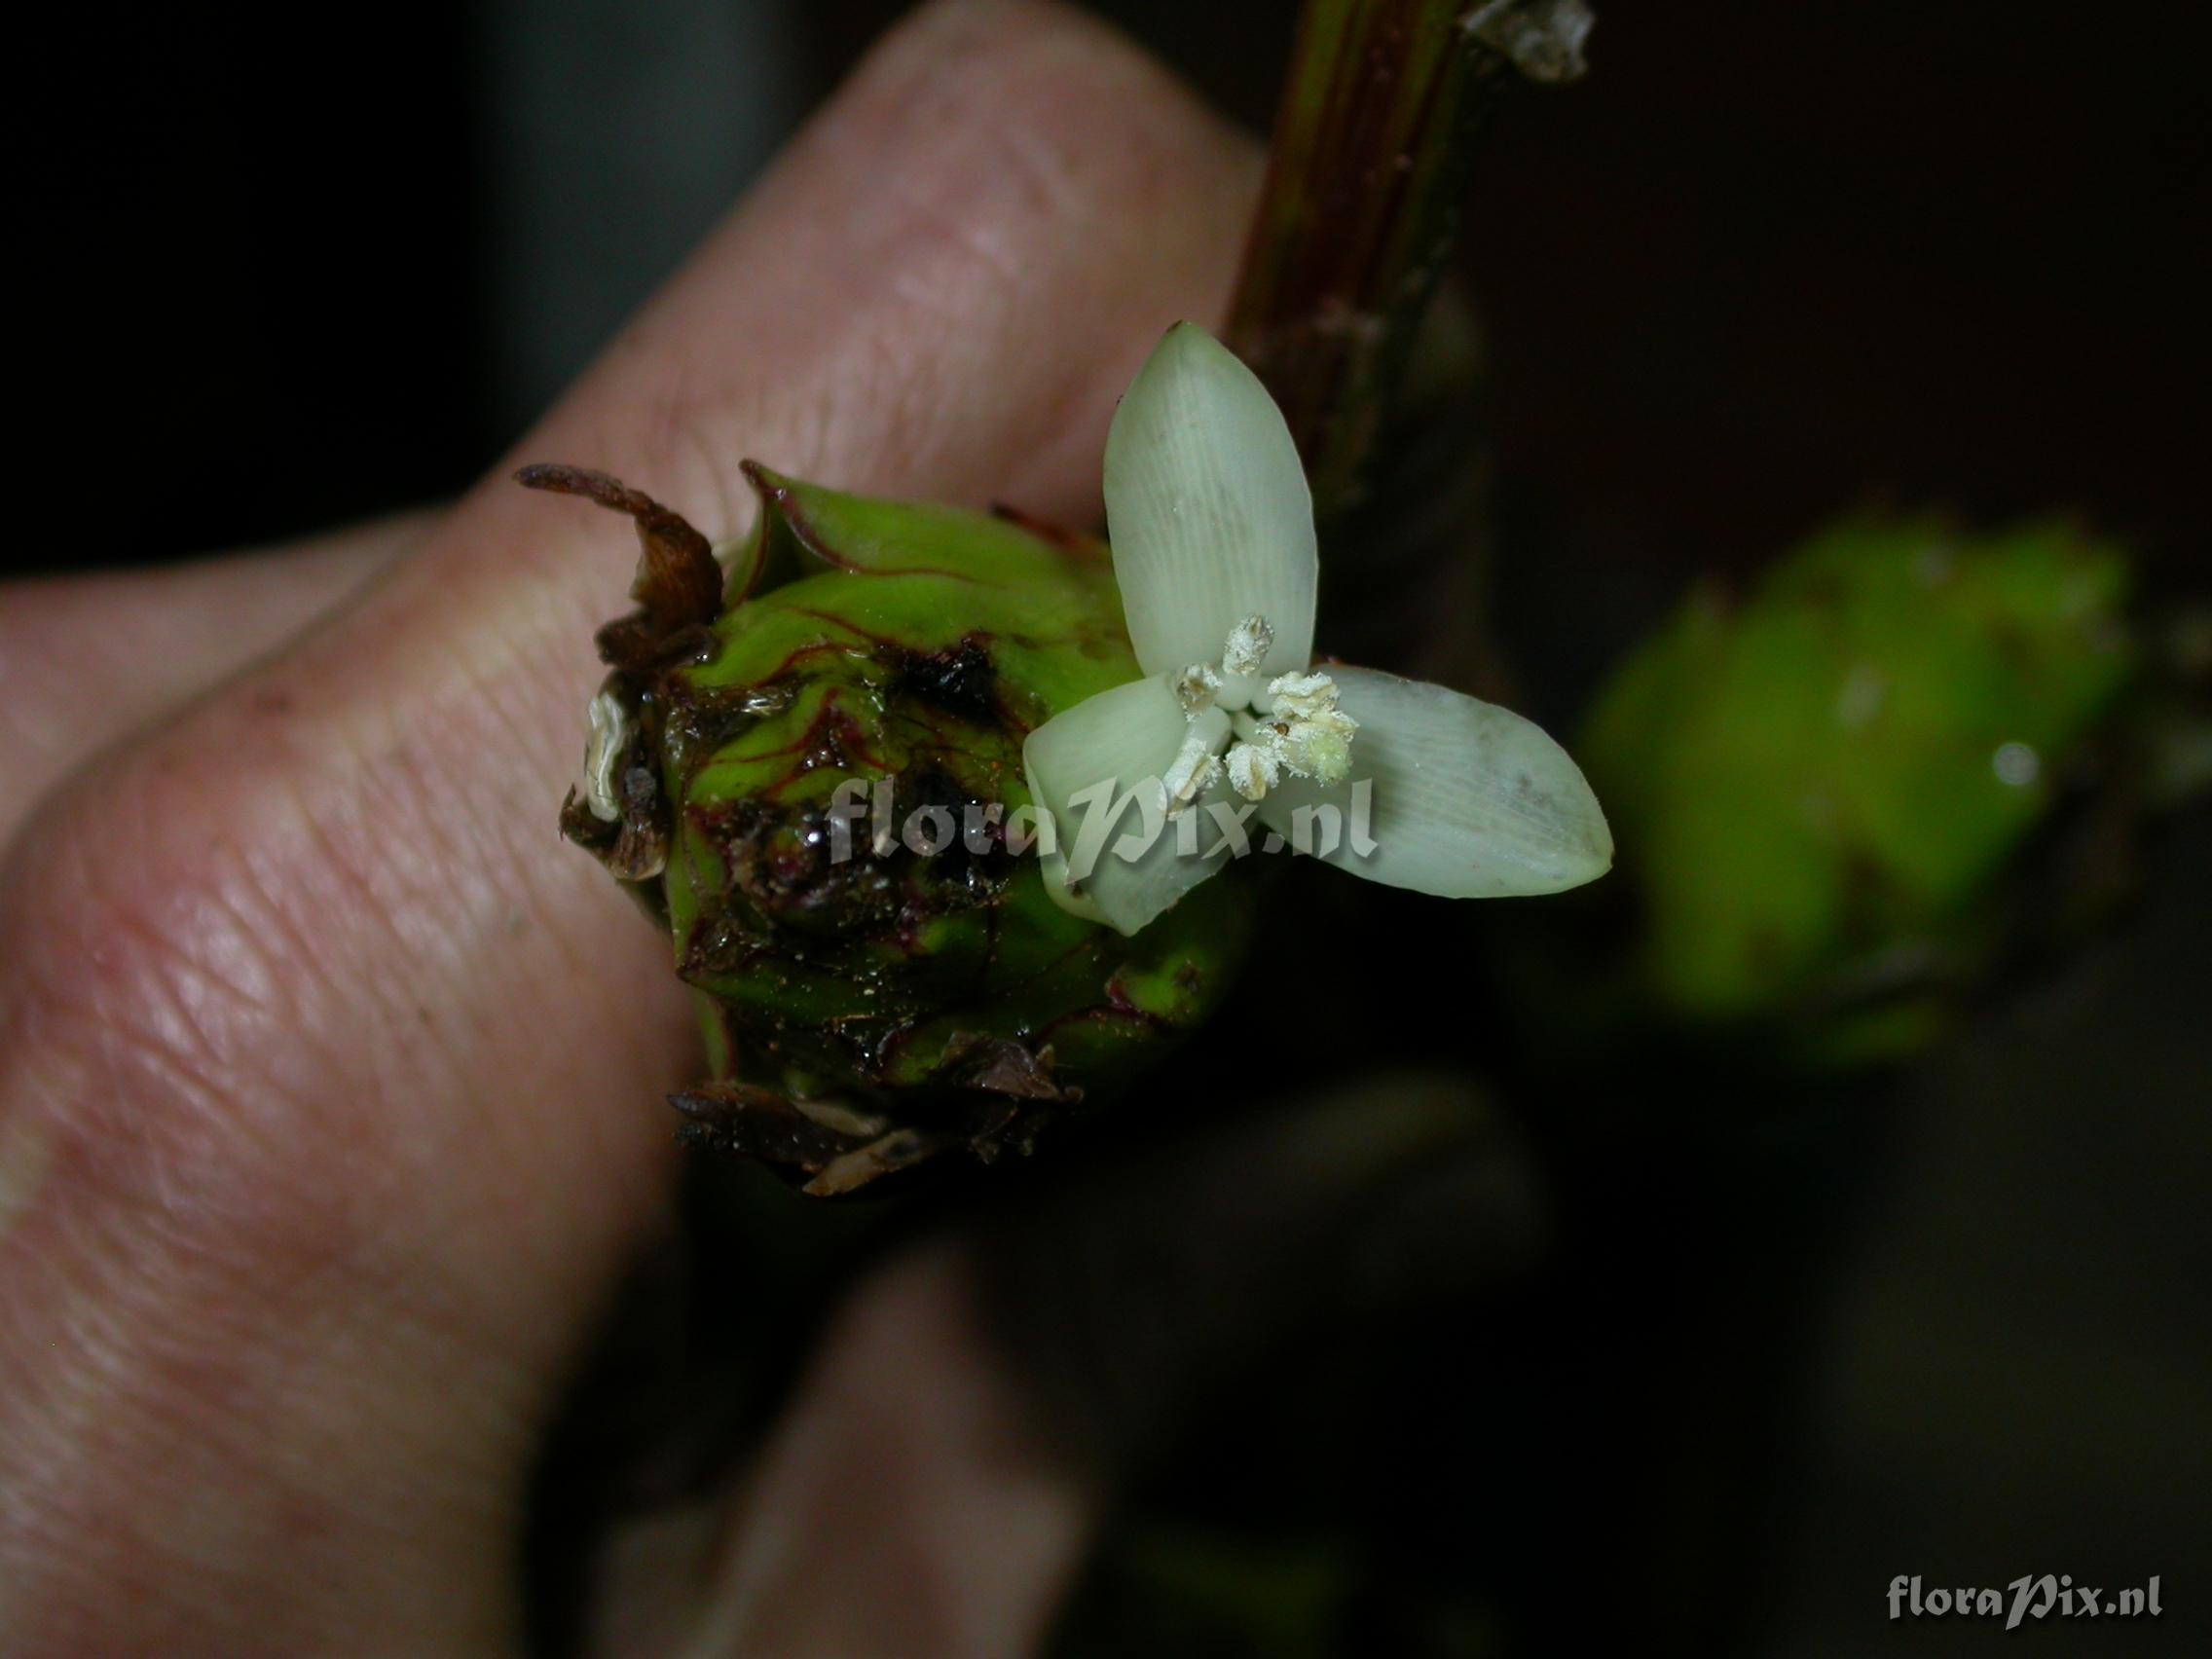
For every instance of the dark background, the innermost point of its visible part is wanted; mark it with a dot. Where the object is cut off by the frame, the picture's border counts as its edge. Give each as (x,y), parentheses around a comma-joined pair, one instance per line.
(1766,262)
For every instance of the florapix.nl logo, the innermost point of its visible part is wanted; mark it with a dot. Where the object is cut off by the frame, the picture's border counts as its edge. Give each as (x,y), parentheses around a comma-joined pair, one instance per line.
(1128,824)
(2028,1596)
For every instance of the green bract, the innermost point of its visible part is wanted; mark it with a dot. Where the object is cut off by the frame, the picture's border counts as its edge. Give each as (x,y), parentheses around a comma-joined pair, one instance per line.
(1821,786)
(880,977)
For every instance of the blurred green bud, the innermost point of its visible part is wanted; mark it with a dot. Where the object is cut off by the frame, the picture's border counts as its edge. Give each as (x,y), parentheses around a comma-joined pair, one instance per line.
(807,764)
(1817,790)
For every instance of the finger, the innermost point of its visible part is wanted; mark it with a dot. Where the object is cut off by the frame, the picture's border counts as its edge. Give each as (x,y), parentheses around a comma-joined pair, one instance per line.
(910,1505)
(327,1105)
(86,659)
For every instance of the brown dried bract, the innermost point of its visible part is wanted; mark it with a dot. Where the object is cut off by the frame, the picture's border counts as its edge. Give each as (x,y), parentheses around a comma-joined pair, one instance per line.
(758,1122)
(678,584)
(634,848)
(837,1151)
(993,1098)
(998,1066)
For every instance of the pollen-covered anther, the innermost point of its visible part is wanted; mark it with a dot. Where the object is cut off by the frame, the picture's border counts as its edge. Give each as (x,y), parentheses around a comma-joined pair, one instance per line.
(1312,734)
(609,736)
(1247,647)
(1303,696)
(1197,687)
(1254,767)
(1195,766)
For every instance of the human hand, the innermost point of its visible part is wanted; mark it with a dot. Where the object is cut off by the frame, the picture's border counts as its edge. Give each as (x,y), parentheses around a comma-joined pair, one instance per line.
(326,1073)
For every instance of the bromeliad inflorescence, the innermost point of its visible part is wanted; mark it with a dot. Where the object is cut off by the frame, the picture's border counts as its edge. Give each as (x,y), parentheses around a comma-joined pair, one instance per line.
(873,999)
(1212,525)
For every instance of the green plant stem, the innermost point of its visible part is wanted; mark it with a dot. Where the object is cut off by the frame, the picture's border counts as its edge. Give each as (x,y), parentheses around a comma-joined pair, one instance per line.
(1379,115)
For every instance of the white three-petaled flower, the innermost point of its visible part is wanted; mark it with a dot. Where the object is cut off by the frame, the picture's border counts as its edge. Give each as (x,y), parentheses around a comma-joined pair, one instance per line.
(1212,532)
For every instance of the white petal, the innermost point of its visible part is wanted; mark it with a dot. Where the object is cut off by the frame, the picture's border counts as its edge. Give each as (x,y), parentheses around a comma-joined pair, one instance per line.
(1468,802)
(1208,509)
(1128,738)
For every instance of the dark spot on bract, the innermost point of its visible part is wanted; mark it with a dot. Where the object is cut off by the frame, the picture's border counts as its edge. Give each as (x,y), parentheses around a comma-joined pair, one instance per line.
(961,680)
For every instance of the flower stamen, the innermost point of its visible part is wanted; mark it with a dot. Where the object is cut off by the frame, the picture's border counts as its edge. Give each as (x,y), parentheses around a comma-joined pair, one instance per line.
(1197,687)
(1294,726)
(1247,647)
(1195,766)
(1254,768)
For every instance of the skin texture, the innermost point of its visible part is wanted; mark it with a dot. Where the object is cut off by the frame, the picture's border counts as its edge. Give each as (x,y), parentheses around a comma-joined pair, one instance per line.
(150,640)
(306,1208)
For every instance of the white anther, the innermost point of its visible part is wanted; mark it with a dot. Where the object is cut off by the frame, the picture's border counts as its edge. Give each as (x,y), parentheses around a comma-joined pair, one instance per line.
(1249,643)
(1254,768)
(1195,766)
(1302,696)
(1195,686)
(1315,734)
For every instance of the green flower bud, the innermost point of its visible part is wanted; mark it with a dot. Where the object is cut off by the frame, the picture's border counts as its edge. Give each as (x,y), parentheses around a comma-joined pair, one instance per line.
(1818,790)
(807,764)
